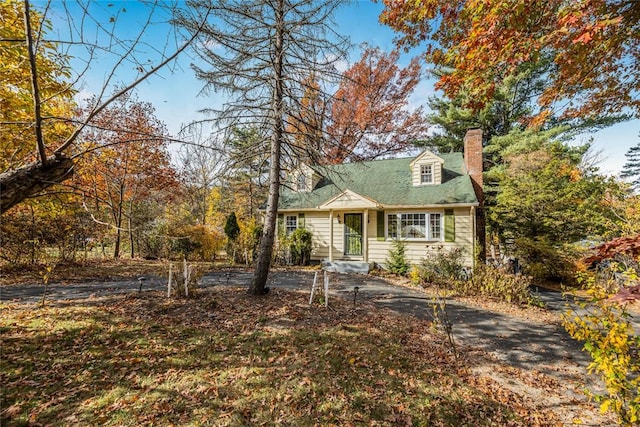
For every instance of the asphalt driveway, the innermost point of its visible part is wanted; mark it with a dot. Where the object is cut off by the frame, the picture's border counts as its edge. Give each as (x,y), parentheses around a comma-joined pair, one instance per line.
(530,342)
(526,343)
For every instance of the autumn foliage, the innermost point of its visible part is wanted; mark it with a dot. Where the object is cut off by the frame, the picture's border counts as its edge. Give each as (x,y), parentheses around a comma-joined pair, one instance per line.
(604,325)
(629,246)
(369,115)
(16,105)
(593,45)
(126,163)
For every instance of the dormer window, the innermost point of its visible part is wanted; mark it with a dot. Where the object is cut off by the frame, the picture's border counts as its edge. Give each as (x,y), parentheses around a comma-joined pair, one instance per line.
(302,182)
(426,169)
(426,174)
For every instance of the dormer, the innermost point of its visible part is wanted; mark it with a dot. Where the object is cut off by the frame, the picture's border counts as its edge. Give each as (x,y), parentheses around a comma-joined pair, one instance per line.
(426,169)
(304,179)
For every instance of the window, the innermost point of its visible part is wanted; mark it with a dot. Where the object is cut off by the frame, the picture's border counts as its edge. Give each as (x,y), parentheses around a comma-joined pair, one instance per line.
(435,221)
(418,226)
(426,174)
(291,223)
(302,182)
(413,226)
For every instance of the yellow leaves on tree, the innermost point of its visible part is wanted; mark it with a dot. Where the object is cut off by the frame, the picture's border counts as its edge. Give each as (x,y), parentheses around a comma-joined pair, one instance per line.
(16,98)
(612,343)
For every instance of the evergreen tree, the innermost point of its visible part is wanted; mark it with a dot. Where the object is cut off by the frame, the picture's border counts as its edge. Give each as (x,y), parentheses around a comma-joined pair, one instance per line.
(397,261)
(631,168)
(546,197)
(231,228)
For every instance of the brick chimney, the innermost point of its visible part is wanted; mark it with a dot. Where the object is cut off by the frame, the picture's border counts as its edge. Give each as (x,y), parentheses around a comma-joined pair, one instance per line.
(473,160)
(473,163)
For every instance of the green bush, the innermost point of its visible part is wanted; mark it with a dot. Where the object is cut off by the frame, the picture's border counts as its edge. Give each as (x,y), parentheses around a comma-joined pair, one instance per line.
(183,246)
(396,262)
(300,246)
(446,268)
(543,261)
(231,227)
(442,267)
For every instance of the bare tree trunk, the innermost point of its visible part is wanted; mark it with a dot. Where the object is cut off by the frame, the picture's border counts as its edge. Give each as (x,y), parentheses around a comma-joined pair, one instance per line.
(116,248)
(131,236)
(17,185)
(258,284)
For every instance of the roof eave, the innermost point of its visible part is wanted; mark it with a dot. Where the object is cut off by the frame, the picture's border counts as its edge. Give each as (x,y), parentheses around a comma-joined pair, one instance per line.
(386,207)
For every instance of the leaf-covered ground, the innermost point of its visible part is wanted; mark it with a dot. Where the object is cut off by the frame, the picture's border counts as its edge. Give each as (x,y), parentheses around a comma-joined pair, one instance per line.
(86,271)
(226,358)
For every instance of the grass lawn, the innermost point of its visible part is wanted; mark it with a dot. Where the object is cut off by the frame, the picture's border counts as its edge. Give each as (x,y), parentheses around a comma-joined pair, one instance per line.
(226,358)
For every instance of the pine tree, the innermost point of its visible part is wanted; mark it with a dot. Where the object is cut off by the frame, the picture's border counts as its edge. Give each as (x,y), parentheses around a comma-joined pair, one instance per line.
(397,261)
(231,227)
(631,169)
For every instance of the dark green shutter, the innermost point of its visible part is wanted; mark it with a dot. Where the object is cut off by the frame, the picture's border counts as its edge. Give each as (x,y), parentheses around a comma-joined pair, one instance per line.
(300,220)
(380,225)
(280,225)
(449,225)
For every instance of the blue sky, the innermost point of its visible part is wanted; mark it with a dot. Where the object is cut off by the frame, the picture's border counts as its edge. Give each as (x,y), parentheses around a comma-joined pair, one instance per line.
(176,94)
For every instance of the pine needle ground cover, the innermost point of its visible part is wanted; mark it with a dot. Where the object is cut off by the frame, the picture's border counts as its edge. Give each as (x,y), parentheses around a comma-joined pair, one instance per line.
(226,358)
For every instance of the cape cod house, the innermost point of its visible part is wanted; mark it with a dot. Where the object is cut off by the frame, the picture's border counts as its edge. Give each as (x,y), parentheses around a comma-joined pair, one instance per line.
(356,210)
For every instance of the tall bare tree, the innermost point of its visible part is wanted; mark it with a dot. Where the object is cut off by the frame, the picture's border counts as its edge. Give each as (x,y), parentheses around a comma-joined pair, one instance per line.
(99,38)
(260,53)
(202,162)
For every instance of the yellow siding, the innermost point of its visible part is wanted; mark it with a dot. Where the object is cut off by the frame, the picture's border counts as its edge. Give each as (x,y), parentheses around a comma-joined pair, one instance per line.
(318,224)
(416,251)
(427,158)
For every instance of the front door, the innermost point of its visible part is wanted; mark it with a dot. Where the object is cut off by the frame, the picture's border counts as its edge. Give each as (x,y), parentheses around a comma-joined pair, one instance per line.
(353,234)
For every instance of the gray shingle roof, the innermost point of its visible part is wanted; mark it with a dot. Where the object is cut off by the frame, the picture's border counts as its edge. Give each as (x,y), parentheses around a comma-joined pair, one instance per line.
(388,182)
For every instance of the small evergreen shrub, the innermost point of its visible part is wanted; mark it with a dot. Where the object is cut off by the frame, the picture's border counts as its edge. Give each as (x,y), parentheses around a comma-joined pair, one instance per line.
(300,246)
(231,227)
(232,230)
(396,262)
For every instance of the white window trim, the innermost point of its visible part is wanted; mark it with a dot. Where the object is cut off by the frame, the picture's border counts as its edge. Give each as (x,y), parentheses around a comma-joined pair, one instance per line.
(433,171)
(286,228)
(427,224)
